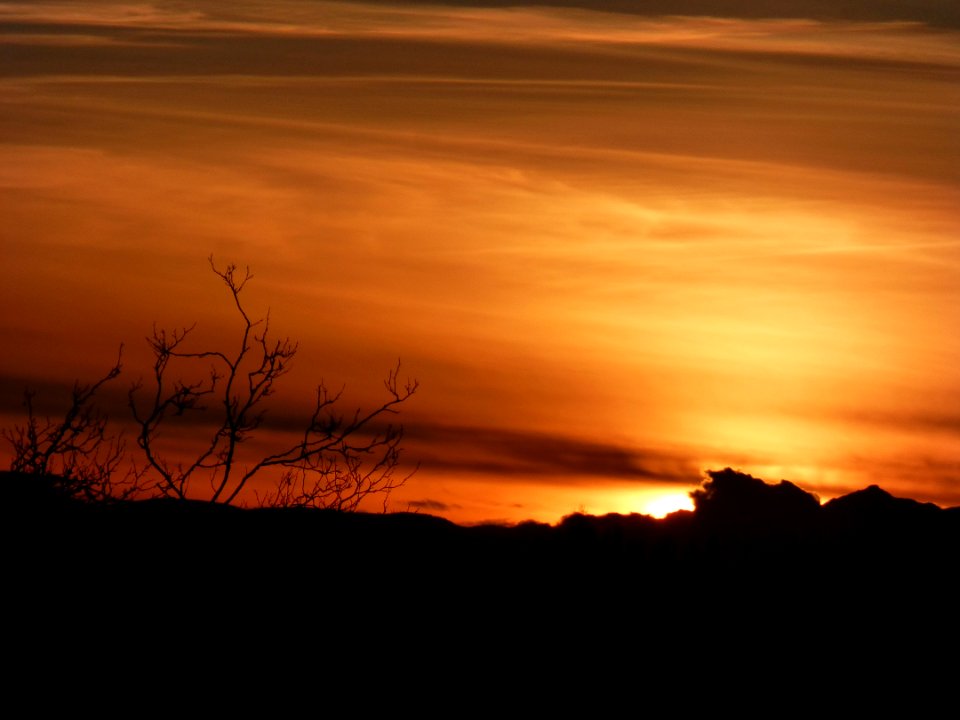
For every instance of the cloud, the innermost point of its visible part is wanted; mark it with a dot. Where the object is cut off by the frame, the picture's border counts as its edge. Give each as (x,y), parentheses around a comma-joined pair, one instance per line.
(925,422)
(939,12)
(926,476)
(511,453)
(700,228)
(428,504)
(353,38)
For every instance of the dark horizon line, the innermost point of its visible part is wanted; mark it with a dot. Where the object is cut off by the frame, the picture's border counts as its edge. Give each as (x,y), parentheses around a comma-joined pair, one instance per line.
(738,494)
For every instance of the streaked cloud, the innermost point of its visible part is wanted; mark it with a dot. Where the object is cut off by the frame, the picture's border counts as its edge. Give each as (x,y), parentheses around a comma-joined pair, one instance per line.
(615,249)
(509,453)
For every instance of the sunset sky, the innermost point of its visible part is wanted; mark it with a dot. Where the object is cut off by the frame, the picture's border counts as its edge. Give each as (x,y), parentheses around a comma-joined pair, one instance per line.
(617,247)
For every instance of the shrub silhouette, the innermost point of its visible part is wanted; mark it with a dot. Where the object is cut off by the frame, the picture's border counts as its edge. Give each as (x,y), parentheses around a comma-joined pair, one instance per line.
(337,461)
(76,456)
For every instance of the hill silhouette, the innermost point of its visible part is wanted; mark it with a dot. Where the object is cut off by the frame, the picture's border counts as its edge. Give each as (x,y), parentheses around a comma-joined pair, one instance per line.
(741,528)
(754,565)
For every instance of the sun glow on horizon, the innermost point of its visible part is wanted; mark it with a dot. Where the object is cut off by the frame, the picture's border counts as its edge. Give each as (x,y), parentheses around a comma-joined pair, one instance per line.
(610,247)
(669,503)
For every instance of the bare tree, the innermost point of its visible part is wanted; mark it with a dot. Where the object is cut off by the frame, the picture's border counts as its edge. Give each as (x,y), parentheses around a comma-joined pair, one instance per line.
(337,461)
(76,452)
(338,465)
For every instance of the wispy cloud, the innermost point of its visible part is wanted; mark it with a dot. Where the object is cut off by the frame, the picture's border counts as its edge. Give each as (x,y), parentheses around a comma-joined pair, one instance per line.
(649,242)
(431,505)
(509,453)
(578,30)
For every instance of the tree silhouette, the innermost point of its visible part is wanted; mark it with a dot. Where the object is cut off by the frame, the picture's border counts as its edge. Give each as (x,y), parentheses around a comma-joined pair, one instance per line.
(76,453)
(338,460)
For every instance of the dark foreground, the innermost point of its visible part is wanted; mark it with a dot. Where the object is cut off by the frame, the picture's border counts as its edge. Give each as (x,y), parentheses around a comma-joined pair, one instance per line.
(745,537)
(759,576)
(759,586)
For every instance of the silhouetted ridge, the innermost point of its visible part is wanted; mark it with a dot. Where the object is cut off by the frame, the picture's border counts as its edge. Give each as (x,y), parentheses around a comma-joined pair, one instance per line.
(745,529)
(871,528)
(874,504)
(745,535)
(732,498)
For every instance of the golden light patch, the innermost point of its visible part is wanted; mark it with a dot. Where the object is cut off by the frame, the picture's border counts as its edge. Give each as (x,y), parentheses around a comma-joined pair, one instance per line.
(663,505)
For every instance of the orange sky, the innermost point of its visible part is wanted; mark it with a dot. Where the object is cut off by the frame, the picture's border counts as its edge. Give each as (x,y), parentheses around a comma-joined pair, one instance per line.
(616,250)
